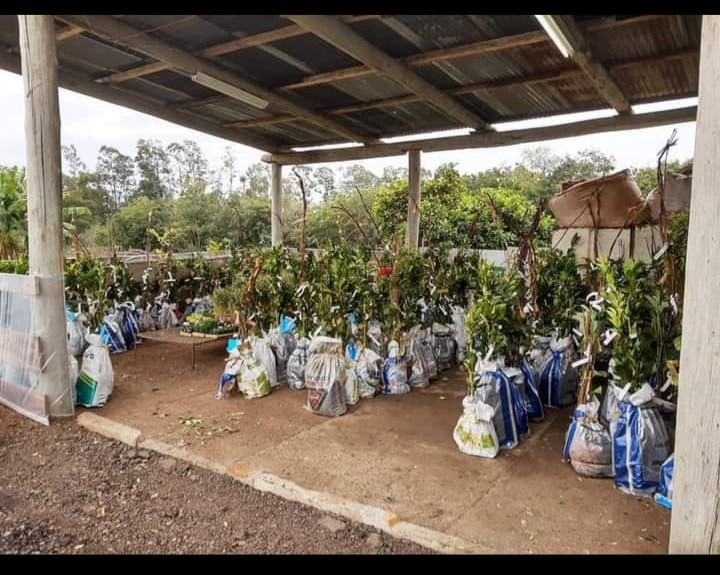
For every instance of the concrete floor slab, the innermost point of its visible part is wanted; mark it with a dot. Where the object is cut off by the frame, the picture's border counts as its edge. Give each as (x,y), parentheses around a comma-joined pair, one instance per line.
(394,453)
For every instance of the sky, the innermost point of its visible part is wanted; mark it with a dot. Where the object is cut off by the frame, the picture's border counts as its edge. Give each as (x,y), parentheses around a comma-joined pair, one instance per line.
(89,124)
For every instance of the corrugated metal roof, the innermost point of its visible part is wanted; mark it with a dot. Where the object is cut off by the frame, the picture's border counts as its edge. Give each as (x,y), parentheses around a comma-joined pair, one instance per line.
(288,60)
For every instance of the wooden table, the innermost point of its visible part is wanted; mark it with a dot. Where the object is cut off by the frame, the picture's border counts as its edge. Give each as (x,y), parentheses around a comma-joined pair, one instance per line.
(176,335)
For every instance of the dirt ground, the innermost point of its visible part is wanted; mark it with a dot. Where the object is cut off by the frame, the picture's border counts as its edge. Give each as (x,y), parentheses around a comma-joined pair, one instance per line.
(66,490)
(65,487)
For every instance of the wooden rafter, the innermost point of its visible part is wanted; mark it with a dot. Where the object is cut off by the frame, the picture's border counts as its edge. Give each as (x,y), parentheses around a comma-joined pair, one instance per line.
(476,88)
(140,41)
(83,85)
(68,32)
(489,139)
(347,40)
(226,48)
(503,43)
(595,71)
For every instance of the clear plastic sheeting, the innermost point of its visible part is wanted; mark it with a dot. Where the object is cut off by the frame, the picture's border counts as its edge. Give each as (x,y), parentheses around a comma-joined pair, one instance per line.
(21,360)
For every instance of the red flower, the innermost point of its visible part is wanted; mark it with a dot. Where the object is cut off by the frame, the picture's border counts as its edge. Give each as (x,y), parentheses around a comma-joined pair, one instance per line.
(385,271)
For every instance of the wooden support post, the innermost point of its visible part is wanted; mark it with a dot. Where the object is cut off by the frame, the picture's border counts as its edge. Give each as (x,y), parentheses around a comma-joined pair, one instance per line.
(695,521)
(44,199)
(276,205)
(413,217)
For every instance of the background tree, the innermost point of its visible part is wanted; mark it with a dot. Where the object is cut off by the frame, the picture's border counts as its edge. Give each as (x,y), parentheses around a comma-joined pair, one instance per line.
(115,173)
(153,167)
(13,213)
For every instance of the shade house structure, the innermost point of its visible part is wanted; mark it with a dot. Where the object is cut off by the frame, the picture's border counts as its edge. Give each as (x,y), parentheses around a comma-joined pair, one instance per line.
(326,88)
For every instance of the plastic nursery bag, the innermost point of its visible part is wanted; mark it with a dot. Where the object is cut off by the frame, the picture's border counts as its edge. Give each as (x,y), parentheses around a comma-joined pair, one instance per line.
(458,318)
(395,376)
(493,388)
(426,348)
(253,381)
(475,433)
(128,324)
(588,444)
(282,343)
(445,346)
(352,390)
(73,372)
(264,354)
(75,323)
(228,379)
(146,321)
(533,403)
(368,368)
(167,318)
(112,334)
(376,338)
(296,364)
(325,377)
(663,495)
(418,369)
(641,443)
(519,400)
(95,382)
(558,378)
(539,353)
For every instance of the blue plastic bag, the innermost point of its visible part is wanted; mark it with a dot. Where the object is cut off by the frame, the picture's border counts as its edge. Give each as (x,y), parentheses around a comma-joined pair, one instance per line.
(493,388)
(641,443)
(129,326)
(112,337)
(535,409)
(520,411)
(663,495)
(287,324)
(558,378)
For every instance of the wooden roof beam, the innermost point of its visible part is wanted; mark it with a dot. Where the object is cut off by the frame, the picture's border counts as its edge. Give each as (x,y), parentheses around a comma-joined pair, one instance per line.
(489,139)
(411,98)
(573,40)
(467,89)
(226,48)
(68,32)
(144,42)
(347,40)
(83,85)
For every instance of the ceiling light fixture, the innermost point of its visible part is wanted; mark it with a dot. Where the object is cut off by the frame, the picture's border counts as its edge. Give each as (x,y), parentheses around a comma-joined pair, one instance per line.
(229,90)
(556,35)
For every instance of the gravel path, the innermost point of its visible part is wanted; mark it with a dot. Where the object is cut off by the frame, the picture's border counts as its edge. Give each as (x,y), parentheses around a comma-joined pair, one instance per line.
(66,490)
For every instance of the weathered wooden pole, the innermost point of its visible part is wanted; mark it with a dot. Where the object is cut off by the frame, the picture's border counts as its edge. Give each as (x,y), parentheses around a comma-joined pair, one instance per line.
(412,237)
(276,221)
(695,523)
(44,204)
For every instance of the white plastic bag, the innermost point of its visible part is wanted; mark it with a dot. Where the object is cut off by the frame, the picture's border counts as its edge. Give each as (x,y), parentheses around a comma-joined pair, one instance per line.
(73,371)
(253,381)
(325,377)
(368,368)
(419,376)
(296,364)
(352,391)
(167,318)
(264,354)
(458,318)
(395,376)
(76,333)
(588,444)
(474,432)
(95,382)
(228,379)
